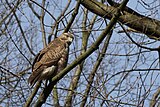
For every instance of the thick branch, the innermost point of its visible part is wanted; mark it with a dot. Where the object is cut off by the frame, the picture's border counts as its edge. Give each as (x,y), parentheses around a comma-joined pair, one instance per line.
(34,92)
(155,98)
(132,19)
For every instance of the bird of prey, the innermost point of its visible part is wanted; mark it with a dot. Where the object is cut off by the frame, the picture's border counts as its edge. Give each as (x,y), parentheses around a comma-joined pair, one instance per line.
(52,59)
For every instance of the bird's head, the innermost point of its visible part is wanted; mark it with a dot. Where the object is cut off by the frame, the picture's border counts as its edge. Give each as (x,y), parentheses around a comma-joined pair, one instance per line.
(67,38)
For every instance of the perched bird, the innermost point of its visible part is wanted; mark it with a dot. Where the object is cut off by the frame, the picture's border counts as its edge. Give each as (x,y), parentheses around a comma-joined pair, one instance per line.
(52,59)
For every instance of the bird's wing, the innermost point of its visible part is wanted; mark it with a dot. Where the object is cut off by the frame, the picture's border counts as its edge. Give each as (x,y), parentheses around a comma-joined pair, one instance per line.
(49,55)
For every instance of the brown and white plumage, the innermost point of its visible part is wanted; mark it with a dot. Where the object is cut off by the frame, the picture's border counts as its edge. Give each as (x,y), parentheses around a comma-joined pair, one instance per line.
(54,56)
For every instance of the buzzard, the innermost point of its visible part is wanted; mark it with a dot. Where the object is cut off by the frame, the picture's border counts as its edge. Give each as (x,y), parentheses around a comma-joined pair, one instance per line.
(52,59)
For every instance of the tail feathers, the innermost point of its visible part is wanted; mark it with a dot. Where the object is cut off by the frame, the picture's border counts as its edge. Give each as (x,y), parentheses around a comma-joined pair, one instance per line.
(34,78)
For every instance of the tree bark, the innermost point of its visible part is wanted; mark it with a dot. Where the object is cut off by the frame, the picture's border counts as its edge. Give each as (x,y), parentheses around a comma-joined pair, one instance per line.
(144,24)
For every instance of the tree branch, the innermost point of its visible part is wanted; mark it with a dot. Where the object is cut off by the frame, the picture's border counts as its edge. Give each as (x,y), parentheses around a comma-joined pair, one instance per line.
(155,98)
(73,16)
(132,19)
